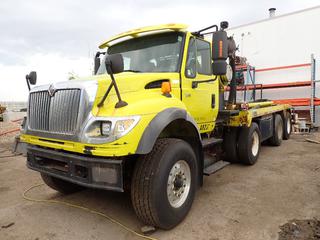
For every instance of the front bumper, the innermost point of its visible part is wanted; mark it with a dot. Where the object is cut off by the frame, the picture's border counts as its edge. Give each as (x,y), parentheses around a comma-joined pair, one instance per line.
(94,172)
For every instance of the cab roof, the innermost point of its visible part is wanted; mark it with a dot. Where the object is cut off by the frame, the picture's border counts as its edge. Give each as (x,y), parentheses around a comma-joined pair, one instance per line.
(135,32)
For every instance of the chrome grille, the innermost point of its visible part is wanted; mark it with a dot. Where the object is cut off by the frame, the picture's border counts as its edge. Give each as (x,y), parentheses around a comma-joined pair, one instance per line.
(56,114)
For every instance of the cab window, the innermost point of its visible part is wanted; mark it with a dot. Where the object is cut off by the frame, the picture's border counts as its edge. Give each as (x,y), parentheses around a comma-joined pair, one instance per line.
(191,59)
(203,57)
(198,58)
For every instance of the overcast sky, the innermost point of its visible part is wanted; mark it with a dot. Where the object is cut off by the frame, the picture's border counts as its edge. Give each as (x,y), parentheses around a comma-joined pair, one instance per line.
(56,37)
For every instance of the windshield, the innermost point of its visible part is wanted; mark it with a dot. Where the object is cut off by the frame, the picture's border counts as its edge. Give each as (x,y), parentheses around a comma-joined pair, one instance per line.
(153,53)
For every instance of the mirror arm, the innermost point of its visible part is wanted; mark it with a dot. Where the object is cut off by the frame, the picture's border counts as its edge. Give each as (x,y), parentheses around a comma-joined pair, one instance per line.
(120,103)
(198,33)
(28,82)
(114,83)
(100,104)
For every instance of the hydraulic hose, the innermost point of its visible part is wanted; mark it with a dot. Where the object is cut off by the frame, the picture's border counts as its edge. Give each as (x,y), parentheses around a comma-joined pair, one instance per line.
(233,84)
(92,211)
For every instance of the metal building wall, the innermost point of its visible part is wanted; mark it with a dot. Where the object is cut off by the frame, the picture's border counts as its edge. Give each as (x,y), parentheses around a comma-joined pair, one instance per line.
(280,41)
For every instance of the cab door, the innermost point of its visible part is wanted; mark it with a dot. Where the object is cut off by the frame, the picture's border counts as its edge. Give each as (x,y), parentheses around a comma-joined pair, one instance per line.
(200,90)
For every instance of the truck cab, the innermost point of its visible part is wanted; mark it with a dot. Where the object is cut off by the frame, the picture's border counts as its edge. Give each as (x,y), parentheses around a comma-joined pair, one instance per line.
(150,121)
(177,57)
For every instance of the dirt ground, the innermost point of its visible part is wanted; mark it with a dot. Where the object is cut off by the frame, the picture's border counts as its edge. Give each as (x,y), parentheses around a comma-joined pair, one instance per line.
(239,202)
(300,230)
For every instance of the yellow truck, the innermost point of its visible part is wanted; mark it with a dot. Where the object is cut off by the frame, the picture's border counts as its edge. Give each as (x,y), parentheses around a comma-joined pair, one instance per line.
(152,120)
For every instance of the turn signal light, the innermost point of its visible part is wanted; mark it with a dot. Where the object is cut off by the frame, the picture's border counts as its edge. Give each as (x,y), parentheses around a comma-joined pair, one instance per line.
(165,88)
(220,49)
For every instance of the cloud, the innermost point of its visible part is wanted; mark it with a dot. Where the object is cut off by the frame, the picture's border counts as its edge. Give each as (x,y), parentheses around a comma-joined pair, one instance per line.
(50,68)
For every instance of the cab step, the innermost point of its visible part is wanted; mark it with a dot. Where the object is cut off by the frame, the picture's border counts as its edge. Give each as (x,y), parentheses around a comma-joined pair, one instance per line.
(208,142)
(215,167)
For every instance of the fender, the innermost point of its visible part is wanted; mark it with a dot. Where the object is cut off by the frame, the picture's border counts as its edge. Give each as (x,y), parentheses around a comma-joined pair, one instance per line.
(158,123)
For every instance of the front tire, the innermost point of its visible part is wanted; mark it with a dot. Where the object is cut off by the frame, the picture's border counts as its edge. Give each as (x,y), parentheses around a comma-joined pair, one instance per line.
(164,183)
(60,185)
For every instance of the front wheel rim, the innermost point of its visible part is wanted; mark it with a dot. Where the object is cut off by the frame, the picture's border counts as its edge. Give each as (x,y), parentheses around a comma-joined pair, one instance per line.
(179,181)
(255,143)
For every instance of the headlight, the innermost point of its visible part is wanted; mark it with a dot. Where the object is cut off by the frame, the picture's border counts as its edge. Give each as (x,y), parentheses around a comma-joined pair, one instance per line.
(123,126)
(93,130)
(106,128)
(103,130)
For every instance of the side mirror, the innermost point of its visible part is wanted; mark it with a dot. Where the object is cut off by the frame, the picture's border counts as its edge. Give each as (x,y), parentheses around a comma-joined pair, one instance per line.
(219,52)
(219,67)
(32,78)
(96,62)
(114,63)
(222,48)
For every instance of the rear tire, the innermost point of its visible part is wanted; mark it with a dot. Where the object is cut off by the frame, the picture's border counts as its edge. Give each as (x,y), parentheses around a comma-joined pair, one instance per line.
(164,183)
(276,139)
(287,126)
(249,144)
(60,185)
(230,145)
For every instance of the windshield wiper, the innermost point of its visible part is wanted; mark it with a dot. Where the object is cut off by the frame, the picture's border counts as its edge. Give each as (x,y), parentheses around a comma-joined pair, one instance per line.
(131,70)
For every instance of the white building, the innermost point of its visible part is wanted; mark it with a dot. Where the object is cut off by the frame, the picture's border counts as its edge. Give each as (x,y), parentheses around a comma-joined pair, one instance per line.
(283,41)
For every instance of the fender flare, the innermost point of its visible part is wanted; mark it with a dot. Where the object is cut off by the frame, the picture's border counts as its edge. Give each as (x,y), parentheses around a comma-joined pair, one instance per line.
(158,123)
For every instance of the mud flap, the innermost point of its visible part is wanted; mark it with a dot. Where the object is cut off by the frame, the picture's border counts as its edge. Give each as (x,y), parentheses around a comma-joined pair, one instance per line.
(19,147)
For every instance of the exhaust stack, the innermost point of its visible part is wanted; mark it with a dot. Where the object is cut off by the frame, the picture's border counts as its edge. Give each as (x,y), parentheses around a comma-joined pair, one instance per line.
(272,12)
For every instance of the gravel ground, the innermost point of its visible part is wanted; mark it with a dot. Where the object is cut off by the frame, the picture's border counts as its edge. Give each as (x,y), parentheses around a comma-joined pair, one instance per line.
(300,230)
(7,139)
(237,203)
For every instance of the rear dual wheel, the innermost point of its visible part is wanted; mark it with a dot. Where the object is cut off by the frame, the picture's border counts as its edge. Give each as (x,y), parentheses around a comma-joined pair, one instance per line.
(278,131)
(287,126)
(230,145)
(249,144)
(242,145)
(282,129)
